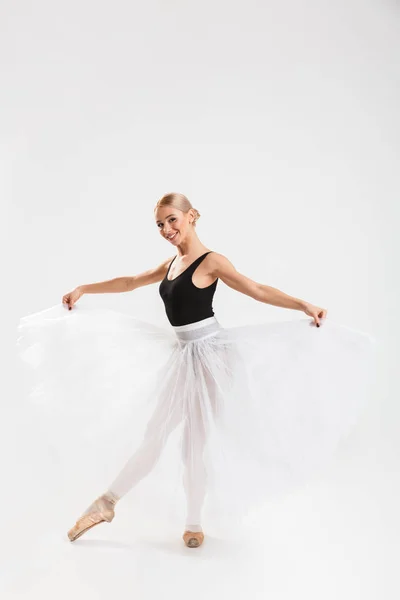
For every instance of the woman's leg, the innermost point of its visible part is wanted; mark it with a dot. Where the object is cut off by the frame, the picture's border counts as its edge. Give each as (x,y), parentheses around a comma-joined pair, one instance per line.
(165,419)
(194,474)
(201,413)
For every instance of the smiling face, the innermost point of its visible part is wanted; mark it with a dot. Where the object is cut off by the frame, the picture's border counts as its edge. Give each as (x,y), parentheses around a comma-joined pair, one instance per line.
(173,223)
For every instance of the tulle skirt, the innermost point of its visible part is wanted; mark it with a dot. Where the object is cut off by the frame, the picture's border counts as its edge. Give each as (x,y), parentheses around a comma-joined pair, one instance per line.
(256,409)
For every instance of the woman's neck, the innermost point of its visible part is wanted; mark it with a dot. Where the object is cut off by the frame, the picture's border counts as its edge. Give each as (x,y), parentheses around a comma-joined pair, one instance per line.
(190,247)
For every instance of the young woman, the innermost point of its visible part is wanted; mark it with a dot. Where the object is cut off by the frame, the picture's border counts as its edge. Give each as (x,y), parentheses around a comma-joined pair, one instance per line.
(261,406)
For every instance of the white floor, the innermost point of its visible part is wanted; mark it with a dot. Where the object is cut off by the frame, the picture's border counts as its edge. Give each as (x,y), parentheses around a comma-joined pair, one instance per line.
(336,539)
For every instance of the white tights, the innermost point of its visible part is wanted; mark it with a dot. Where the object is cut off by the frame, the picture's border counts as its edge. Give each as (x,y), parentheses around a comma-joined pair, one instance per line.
(146,457)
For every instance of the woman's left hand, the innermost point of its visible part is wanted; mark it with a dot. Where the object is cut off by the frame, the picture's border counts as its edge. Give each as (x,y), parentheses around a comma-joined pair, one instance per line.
(316,312)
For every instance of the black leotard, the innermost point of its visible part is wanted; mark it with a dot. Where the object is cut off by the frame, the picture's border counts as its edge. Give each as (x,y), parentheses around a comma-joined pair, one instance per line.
(184,302)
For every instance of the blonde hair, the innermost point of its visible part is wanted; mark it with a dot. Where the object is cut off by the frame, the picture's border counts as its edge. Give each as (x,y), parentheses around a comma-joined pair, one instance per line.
(180,202)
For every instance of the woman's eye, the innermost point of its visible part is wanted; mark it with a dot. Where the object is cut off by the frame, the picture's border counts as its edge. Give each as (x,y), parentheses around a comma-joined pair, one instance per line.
(160,224)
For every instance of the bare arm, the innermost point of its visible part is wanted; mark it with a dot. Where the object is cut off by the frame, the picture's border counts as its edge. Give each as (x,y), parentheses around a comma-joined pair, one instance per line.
(221,267)
(225,270)
(127,284)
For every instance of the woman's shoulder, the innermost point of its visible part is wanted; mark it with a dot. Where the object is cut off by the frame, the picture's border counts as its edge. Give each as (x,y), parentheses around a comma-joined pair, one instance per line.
(219,263)
(217,257)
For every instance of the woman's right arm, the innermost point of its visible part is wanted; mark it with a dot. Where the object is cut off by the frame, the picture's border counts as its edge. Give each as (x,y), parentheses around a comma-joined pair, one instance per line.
(118,284)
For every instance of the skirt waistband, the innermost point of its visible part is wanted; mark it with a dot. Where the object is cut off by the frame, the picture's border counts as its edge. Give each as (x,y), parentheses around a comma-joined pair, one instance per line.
(195,325)
(197,330)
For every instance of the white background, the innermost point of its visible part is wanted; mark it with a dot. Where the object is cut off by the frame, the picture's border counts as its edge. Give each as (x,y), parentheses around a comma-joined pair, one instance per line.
(280,122)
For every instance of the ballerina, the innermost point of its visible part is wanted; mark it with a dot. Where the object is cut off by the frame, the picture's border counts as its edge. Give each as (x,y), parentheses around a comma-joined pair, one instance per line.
(210,371)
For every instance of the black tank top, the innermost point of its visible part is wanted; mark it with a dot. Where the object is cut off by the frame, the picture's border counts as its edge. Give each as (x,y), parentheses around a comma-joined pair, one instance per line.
(184,302)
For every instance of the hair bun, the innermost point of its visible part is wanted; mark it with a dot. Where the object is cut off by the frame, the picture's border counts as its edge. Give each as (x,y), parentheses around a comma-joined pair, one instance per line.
(197,215)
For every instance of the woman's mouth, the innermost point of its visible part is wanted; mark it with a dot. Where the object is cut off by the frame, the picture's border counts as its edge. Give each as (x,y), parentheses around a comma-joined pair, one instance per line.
(172,236)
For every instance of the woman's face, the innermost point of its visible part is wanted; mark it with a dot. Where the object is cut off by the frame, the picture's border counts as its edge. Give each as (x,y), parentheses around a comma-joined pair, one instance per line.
(172,223)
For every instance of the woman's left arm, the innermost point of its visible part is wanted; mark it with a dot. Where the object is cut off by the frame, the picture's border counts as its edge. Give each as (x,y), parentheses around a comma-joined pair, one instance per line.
(221,267)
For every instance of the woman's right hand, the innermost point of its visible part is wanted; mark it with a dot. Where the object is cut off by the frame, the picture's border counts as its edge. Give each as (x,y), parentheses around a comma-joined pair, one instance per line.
(72,297)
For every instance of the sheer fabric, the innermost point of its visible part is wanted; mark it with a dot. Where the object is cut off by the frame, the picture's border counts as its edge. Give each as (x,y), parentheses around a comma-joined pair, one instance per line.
(253,411)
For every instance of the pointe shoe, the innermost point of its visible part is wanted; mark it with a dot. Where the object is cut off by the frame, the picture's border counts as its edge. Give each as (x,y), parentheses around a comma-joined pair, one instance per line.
(102,510)
(193,539)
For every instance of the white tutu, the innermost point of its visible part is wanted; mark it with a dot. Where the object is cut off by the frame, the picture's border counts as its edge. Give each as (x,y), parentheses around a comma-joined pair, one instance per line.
(261,407)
